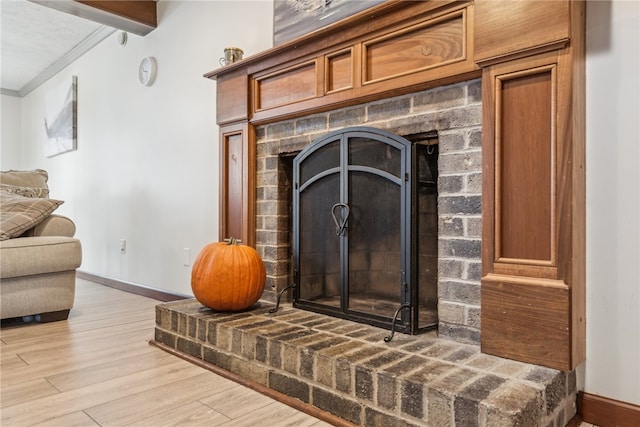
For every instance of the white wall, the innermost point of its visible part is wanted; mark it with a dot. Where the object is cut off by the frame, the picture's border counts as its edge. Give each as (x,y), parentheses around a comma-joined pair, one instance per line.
(11,108)
(146,168)
(613,193)
(146,165)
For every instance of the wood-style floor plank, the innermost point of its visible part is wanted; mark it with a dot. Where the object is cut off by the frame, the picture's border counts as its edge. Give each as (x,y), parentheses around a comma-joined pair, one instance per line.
(38,410)
(227,404)
(83,377)
(75,419)
(26,391)
(58,366)
(194,414)
(274,414)
(134,408)
(98,369)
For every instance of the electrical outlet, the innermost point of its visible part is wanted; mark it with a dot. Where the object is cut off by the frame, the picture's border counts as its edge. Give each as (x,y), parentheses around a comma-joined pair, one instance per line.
(187,257)
(123,246)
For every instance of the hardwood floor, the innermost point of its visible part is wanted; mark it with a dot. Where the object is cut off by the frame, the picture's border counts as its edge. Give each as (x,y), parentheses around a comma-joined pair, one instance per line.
(97,369)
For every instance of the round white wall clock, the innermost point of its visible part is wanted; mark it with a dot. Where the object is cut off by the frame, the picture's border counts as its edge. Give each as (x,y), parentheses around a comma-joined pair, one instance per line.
(147,71)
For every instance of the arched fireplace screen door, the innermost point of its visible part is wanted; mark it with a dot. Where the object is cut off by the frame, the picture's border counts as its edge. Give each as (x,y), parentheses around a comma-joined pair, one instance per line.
(364,206)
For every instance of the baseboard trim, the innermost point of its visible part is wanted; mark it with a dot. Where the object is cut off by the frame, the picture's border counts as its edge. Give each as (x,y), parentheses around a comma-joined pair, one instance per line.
(131,288)
(606,412)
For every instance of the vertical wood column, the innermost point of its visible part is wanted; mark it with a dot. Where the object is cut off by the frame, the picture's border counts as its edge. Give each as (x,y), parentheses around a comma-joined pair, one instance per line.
(237,159)
(533,202)
(237,187)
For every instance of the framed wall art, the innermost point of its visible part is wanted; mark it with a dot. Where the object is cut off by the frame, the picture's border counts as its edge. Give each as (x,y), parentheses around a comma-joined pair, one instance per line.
(61,118)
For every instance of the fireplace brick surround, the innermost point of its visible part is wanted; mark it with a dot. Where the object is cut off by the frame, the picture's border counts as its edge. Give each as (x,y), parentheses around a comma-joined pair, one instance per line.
(455,112)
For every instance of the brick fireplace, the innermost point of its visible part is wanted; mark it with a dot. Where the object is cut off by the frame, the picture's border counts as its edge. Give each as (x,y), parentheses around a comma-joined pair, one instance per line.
(502,86)
(454,111)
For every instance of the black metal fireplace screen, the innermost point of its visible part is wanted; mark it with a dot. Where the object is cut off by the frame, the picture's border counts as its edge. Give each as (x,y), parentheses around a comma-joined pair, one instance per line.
(365,228)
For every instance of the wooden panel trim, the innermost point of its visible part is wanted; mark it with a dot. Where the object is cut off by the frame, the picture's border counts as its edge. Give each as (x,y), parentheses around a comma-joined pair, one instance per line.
(517,268)
(367,44)
(526,320)
(328,77)
(607,412)
(574,117)
(500,80)
(529,281)
(132,288)
(262,102)
(506,31)
(359,95)
(525,53)
(232,98)
(488,171)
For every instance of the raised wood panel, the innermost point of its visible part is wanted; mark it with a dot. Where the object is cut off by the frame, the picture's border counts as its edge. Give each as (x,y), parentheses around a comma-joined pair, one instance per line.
(286,86)
(339,71)
(430,44)
(237,184)
(526,320)
(234,172)
(508,29)
(232,97)
(525,166)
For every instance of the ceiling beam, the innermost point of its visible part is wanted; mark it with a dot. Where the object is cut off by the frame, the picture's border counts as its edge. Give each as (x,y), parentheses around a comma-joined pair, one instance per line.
(137,17)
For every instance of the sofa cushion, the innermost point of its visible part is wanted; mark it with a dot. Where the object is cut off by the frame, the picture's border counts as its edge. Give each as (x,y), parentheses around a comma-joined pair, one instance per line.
(28,256)
(18,182)
(18,213)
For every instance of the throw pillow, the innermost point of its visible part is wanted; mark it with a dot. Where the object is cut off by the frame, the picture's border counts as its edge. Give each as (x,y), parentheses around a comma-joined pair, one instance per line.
(18,214)
(25,191)
(36,178)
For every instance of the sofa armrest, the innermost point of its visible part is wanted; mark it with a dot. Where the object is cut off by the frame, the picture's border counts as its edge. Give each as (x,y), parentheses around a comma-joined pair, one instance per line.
(53,225)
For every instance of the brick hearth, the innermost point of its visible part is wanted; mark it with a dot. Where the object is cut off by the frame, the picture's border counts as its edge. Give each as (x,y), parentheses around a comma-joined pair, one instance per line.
(347,369)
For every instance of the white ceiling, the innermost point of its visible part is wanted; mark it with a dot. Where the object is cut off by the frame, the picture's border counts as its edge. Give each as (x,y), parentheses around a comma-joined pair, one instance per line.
(37,42)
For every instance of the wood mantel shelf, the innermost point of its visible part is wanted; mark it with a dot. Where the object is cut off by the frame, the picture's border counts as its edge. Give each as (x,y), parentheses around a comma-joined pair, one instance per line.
(530,55)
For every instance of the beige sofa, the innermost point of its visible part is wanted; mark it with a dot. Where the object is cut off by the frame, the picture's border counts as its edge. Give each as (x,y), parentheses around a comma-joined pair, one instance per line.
(38,253)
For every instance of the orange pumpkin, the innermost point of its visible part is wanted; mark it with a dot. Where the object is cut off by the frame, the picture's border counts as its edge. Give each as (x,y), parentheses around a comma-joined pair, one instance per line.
(227,276)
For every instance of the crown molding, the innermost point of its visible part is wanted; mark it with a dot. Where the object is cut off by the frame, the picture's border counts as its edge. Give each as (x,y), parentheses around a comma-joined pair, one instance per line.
(9,92)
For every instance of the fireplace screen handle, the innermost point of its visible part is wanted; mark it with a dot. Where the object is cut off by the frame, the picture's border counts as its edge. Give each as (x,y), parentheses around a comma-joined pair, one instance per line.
(342,223)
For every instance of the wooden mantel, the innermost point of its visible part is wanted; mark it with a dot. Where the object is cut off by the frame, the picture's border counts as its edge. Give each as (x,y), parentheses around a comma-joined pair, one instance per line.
(530,55)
